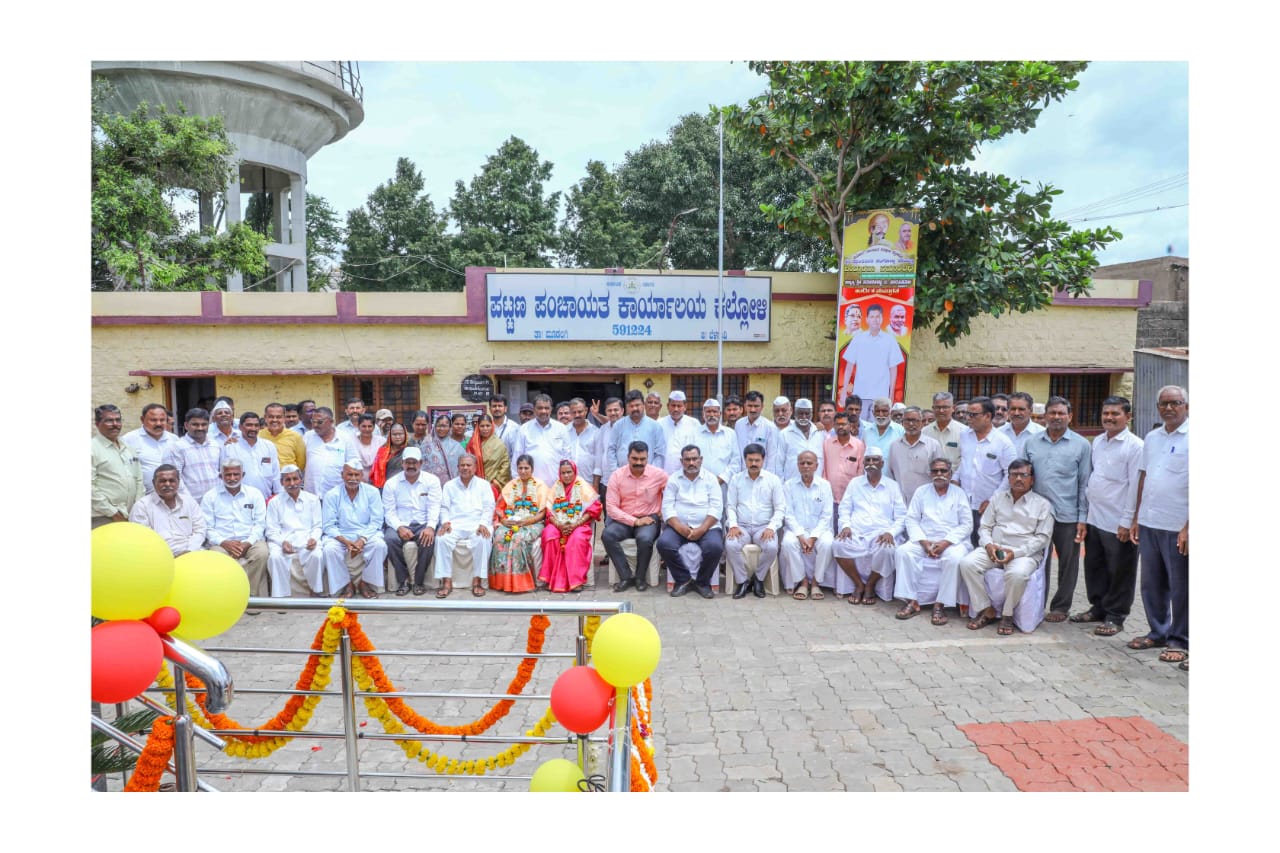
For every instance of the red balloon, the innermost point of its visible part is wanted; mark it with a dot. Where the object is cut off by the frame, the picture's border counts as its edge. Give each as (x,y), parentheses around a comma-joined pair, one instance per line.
(581,700)
(126,657)
(164,620)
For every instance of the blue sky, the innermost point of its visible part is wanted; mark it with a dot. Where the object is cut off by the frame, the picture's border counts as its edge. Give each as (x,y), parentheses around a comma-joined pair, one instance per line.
(1124,129)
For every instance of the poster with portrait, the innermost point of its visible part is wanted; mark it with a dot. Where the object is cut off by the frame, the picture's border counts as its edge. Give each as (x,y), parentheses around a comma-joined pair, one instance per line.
(876,304)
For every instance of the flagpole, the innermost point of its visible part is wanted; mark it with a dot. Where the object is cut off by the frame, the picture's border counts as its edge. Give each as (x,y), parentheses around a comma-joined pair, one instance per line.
(720,281)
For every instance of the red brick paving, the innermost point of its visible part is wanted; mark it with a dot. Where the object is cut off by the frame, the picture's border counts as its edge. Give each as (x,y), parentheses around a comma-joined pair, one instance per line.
(1094,754)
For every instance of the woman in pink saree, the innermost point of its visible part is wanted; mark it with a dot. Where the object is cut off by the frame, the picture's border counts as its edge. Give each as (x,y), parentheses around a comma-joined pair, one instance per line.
(566,539)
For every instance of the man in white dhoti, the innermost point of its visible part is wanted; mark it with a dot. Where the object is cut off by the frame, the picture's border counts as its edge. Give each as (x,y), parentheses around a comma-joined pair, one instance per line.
(466,515)
(807,542)
(753,515)
(938,526)
(295,529)
(353,533)
(872,520)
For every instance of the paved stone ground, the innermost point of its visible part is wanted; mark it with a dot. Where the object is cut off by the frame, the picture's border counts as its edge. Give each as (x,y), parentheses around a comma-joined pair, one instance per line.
(758,694)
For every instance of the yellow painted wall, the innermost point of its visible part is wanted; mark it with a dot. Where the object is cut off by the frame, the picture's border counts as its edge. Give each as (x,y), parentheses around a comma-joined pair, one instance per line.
(1035,384)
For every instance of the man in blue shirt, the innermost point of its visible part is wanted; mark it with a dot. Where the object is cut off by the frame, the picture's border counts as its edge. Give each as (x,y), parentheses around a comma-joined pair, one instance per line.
(636,427)
(353,532)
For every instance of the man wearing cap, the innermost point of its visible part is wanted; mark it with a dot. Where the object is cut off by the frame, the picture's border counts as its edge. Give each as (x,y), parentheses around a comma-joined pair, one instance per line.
(807,542)
(260,462)
(678,430)
(195,456)
(526,415)
(798,436)
(384,419)
(872,521)
(910,455)
(842,459)
(691,509)
(754,510)
(171,512)
(353,533)
(327,450)
(938,523)
(753,428)
(291,448)
(1038,414)
(116,484)
(1019,427)
(719,446)
(466,514)
(151,443)
(896,411)
(295,531)
(883,431)
(235,520)
(411,510)
(636,426)
(224,428)
(545,440)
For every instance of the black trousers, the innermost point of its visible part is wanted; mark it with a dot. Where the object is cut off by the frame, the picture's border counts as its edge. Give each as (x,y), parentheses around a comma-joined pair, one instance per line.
(1110,574)
(1068,551)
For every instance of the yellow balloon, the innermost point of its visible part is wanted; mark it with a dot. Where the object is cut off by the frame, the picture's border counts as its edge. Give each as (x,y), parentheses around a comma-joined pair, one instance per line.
(626,649)
(210,591)
(556,775)
(132,571)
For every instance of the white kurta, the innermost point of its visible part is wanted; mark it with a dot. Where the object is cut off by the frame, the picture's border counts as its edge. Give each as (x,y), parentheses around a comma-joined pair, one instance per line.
(809,511)
(933,517)
(465,508)
(296,522)
(546,444)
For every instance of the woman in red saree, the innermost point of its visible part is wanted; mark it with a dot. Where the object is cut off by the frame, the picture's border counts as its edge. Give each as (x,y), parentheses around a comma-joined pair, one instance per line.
(566,539)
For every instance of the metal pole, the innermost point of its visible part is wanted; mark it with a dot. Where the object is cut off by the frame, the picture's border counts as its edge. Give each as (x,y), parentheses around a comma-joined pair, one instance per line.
(184,756)
(720,281)
(349,712)
(620,760)
(580,659)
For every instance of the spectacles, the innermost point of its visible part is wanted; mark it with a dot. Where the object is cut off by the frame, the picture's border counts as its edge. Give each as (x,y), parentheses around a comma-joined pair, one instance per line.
(1170,404)
(1018,475)
(940,471)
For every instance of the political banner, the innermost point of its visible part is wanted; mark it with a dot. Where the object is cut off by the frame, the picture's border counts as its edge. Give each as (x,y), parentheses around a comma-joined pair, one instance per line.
(593,307)
(876,305)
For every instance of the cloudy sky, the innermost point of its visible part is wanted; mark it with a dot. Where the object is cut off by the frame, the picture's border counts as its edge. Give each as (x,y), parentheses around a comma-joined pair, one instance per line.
(1117,147)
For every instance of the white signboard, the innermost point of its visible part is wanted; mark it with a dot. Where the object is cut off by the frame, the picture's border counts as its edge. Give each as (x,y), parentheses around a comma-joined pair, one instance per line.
(560,307)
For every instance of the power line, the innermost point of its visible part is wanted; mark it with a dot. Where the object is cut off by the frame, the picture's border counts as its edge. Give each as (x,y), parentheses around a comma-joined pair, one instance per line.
(1126,213)
(1144,191)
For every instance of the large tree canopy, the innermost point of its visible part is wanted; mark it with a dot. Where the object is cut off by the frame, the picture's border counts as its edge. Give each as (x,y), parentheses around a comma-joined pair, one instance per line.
(324,239)
(502,215)
(143,165)
(397,240)
(871,135)
(596,233)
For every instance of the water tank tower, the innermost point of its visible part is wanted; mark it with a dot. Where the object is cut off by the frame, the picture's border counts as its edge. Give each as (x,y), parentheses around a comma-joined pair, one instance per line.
(277,114)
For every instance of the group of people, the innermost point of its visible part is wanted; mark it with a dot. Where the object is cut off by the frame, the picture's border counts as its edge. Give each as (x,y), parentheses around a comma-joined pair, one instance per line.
(914,504)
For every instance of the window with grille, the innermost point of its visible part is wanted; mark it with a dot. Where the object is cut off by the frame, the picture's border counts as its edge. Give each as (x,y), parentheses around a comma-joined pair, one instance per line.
(397,393)
(814,388)
(966,386)
(1086,391)
(701,386)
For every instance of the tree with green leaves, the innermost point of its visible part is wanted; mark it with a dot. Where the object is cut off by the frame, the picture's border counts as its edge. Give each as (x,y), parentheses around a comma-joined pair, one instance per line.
(596,233)
(144,165)
(502,216)
(869,135)
(663,178)
(324,241)
(397,241)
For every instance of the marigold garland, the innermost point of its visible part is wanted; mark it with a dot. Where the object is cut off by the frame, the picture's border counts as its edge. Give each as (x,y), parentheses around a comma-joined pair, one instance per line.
(154,759)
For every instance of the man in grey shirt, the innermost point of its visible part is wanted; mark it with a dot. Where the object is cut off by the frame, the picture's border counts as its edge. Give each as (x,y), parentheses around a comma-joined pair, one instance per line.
(636,427)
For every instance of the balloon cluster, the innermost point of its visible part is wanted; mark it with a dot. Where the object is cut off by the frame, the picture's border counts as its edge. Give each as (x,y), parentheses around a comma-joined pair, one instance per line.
(625,652)
(142,592)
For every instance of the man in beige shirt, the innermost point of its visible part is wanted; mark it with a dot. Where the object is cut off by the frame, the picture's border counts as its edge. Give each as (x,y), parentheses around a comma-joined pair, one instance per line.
(116,481)
(1015,530)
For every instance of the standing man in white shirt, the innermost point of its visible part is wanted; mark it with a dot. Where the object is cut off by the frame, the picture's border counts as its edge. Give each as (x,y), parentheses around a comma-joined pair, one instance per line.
(938,523)
(503,427)
(327,451)
(753,428)
(411,510)
(872,520)
(466,514)
(1019,426)
(691,509)
(653,405)
(800,435)
(235,519)
(985,456)
(584,439)
(678,430)
(350,427)
(259,458)
(1161,529)
(754,511)
(945,429)
(719,446)
(171,512)
(151,442)
(295,535)
(545,440)
(807,542)
(1110,554)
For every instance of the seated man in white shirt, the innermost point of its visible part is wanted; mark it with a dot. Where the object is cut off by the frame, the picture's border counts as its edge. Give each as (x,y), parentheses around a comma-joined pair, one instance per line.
(872,520)
(235,518)
(807,543)
(466,515)
(691,509)
(295,530)
(938,525)
(171,512)
(754,511)
(411,510)
(1016,528)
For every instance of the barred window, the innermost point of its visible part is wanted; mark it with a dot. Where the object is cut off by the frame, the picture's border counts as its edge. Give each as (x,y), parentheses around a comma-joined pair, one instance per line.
(1086,391)
(698,387)
(397,393)
(813,387)
(966,386)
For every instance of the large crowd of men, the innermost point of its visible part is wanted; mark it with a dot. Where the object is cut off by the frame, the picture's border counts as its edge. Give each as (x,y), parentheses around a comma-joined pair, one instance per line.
(915,505)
